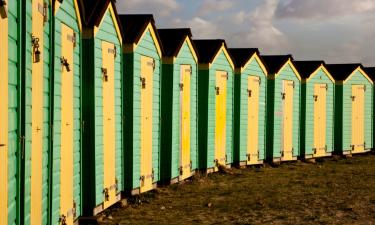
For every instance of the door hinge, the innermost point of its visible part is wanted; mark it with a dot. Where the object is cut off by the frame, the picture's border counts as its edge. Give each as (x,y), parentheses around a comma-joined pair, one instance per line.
(364,88)
(113,51)
(326,87)
(353,98)
(283,95)
(217,89)
(73,39)
(143,82)
(3,9)
(294,84)
(22,143)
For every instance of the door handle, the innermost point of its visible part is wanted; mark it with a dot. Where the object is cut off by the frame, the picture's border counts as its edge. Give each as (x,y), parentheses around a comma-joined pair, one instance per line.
(67,124)
(2,145)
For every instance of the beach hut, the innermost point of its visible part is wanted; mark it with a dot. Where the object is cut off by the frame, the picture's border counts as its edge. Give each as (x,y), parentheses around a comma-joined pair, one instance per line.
(250,90)
(10,111)
(67,121)
(371,73)
(178,158)
(142,78)
(283,108)
(317,109)
(102,109)
(215,105)
(353,108)
(37,117)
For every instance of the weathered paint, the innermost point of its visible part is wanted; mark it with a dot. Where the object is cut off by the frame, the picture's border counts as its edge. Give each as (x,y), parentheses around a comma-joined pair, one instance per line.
(275,114)
(309,127)
(207,112)
(249,141)
(147,46)
(343,114)
(172,154)
(37,112)
(102,115)
(66,193)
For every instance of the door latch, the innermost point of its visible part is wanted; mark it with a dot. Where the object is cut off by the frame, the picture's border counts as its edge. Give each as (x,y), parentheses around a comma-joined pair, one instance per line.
(283,95)
(43,10)
(105,74)
(249,92)
(143,81)
(106,194)
(3,9)
(217,89)
(36,52)
(64,63)
(316,98)
(353,98)
(62,220)
(181,85)
(2,145)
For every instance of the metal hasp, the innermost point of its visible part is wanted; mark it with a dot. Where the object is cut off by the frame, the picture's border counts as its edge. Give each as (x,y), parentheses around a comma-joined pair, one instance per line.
(36,52)
(105,74)
(64,63)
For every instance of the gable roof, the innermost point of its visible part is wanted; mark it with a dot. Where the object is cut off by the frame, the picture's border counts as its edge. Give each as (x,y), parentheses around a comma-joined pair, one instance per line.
(242,55)
(274,63)
(134,25)
(173,39)
(208,49)
(307,68)
(370,72)
(342,71)
(92,11)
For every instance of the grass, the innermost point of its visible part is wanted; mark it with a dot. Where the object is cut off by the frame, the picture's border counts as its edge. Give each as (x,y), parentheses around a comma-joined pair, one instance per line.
(331,191)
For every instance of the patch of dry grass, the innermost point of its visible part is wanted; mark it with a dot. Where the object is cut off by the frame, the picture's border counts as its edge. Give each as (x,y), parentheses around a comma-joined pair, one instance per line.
(333,191)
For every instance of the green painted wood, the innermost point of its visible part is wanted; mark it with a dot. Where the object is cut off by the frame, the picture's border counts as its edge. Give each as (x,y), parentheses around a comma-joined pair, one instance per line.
(132,104)
(28,114)
(93,170)
(241,106)
(171,123)
(66,14)
(274,109)
(343,109)
(206,112)
(307,114)
(14,109)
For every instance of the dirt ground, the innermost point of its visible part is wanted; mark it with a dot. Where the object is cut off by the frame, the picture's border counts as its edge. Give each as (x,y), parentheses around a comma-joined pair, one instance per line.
(331,191)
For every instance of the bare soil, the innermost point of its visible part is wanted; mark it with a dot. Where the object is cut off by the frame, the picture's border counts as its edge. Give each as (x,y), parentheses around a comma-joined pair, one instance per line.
(331,191)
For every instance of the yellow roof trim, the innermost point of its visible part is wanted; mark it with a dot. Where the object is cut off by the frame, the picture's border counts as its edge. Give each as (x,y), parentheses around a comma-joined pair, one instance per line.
(257,58)
(224,49)
(78,14)
(192,50)
(112,12)
(359,69)
(321,67)
(291,66)
(154,37)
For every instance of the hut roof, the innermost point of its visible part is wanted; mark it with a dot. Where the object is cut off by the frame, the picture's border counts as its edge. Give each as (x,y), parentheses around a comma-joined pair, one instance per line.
(342,71)
(242,55)
(208,49)
(173,39)
(306,68)
(274,63)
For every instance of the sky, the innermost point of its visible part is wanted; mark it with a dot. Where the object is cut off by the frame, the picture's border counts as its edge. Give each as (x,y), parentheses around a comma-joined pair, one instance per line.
(337,31)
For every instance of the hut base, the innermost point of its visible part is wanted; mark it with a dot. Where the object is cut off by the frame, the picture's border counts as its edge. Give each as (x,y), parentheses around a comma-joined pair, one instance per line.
(282,159)
(246,163)
(100,208)
(179,178)
(350,152)
(216,169)
(137,191)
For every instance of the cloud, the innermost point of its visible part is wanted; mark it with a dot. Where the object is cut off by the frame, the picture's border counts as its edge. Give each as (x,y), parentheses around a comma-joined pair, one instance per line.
(210,6)
(262,32)
(320,9)
(201,28)
(162,8)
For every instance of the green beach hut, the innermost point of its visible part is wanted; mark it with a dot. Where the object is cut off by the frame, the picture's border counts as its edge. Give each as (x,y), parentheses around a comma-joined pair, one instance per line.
(179,147)
(317,109)
(102,101)
(36,91)
(250,90)
(142,80)
(10,108)
(215,105)
(353,108)
(67,121)
(371,73)
(283,108)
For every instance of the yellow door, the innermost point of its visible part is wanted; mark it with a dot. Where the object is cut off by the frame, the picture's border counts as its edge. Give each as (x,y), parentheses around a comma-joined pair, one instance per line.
(4,121)
(320,119)
(109,131)
(185,167)
(220,126)
(253,119)
(287,131)
(358,97)
(37,113)
(147,71)
(66,157)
